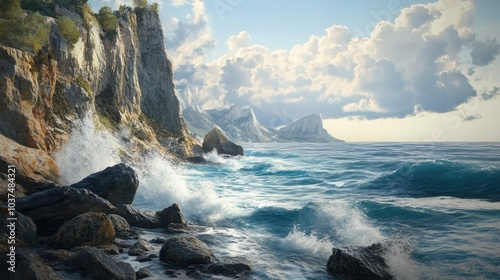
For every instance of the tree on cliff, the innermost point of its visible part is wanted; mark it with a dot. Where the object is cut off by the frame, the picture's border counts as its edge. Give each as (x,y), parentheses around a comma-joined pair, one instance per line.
(28,33)
(107,20)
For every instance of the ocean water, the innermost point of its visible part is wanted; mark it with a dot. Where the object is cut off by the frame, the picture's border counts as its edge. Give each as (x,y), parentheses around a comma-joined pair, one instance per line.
(436,206)
(284,206)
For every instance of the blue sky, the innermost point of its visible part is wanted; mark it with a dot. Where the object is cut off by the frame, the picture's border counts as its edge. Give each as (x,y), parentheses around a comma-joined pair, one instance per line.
(428,72)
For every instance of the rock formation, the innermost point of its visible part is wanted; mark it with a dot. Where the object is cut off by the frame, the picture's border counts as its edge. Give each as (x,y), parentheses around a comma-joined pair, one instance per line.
(216,139)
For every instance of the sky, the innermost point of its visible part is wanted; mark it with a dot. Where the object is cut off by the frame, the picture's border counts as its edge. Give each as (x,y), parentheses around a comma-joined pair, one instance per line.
(387,70)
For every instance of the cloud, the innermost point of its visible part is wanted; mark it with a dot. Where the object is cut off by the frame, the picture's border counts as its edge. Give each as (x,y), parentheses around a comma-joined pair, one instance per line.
(411,65)
(178,3)
(484,52)
(239,41)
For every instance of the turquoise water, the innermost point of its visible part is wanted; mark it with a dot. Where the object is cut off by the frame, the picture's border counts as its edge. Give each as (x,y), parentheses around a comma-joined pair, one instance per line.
(284,206)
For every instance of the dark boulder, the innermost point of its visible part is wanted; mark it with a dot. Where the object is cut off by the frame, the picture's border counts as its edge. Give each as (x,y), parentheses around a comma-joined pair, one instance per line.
(94,264)
(197,160)
(143,273)
(117,184)
(158,240)
(89,229)
(216,139)
(24,229)
(185,251)
(171,215)
(230,267)
(363,263)
(140,248)
(51,208)
(121,226)
(143,219)
(28,266)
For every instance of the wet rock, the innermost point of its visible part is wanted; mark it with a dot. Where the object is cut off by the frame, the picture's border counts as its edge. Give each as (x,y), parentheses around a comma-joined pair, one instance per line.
(143,273)
(89,229)
(185,251)
(216,139)
(230,267)
(51,208)
(24,229)
(32,164)
(121,226)
(112,250)
(172,219)
(359,263)
(143,258)
(119,223)
(176,228)
(28,266)
(197,160)
(117,184)
(94,264)
(143,219)
(158,240)
(140,248)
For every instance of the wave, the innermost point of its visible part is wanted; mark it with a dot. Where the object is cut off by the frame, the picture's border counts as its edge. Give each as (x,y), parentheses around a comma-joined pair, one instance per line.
(441,178)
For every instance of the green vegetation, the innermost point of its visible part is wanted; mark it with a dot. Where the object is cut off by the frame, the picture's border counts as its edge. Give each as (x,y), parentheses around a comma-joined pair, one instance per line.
(107,20)
(141,4)
(68,30)
(83,83)
(28,33)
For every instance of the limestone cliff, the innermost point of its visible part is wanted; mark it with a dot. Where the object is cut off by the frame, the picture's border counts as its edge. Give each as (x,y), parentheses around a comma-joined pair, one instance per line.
(125,79)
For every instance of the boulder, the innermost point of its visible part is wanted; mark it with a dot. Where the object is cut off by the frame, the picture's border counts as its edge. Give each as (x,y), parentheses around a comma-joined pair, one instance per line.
(359,263)
(143,219)
(197,160)
(230,267)
(143,273)
(216,139)
(89,229)
(119,223)
(28,266)
(171,215)
(140,248)
(25,229)
(94,264)
(117,184)
(158,240)
(51,208)
(185,251)
(32,165)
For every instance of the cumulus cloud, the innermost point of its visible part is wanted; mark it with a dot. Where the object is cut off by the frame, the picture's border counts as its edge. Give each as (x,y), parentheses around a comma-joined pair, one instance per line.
(484,52)
(411,65)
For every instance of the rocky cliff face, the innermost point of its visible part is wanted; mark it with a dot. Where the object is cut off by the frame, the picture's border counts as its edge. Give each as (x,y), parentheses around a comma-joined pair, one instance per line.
(307,129)
(125,79)
(241,124)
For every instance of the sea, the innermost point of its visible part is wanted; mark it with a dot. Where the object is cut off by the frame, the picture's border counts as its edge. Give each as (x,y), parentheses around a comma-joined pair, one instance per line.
(283,207)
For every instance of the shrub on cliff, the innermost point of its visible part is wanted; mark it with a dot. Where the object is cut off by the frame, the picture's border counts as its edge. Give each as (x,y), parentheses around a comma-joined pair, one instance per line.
(107,20)
(26,32)
(69,30)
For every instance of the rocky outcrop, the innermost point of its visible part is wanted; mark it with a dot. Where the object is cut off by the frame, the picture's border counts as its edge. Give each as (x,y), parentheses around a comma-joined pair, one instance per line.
(24,230)
(216,139)
(94,264)
(359,263)
(140,247)
(89,229)
(138,218)
(117,184)
(32,165)
(171,215)
(185,251)
(307,129)
(52,208)
(230,267)
(241,124)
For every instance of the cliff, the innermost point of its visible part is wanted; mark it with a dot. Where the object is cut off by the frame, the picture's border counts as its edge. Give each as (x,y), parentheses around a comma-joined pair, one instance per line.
(124,79)
(307,129)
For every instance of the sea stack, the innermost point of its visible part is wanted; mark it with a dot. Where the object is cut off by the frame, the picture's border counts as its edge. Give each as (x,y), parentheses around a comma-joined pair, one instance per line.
(216,139)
